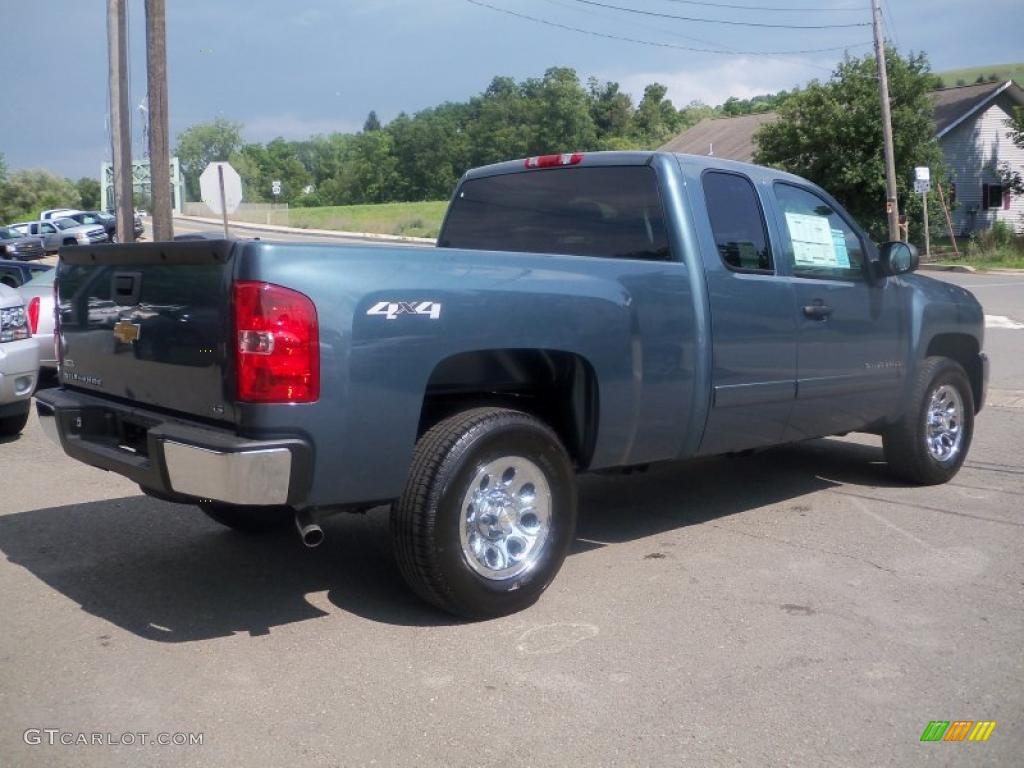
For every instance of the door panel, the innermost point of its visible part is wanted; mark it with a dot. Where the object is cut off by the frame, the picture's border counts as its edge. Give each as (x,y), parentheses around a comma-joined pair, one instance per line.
(753,324)
(850,325)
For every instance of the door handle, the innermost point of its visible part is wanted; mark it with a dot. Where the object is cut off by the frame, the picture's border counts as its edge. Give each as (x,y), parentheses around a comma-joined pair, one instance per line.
(818,310)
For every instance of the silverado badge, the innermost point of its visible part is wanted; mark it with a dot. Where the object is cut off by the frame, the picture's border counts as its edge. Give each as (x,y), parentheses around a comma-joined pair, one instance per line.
(126,332)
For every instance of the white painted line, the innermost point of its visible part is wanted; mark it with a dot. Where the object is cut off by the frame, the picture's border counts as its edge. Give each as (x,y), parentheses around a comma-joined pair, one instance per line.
(972,286)
(1002,321)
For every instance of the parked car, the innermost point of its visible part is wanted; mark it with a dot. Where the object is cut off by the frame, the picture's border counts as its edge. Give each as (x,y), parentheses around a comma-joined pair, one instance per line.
(58,232)
(19,363)
(137,224)
(582,312)
(38,296)
(105,220)
(57,213)
(15,245)
(16,273)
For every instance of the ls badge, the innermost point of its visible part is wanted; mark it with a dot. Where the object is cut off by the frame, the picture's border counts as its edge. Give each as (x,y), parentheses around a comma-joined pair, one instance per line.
(126,332)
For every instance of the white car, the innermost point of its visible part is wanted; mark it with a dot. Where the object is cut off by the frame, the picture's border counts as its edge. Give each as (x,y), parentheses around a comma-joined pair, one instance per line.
(38,296)
(56,213)
(19,363)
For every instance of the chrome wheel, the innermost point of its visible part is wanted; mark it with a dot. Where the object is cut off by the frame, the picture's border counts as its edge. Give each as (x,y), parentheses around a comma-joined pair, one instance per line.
(506,518)
(944,428)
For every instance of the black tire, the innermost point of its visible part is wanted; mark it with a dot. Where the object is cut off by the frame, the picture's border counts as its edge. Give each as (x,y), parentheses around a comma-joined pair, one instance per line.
(425,521)
(248,519)
(13,425)
(905,442)
(70,241)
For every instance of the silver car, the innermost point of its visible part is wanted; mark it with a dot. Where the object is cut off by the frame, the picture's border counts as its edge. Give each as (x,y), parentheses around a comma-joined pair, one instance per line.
(38,296)
(60,232)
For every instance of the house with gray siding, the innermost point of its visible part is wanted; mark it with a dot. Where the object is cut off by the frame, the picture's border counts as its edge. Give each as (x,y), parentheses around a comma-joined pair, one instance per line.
(970,124)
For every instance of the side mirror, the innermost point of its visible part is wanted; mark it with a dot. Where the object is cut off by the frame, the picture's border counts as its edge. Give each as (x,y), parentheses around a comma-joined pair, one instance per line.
(897,258)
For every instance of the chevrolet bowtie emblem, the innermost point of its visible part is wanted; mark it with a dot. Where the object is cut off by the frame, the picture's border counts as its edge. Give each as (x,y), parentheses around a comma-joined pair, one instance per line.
(126,332)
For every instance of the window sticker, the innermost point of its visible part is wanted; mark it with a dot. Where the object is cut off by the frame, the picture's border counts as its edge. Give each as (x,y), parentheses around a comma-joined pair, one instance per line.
(813,243)
(839,244)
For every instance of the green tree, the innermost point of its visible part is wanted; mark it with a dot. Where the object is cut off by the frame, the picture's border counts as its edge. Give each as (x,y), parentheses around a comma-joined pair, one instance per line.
(656,120)
(202,144)
(89,190)
(3,168)
(561,113)
(1010,175)
(25,193)
(372,122)
(610,109)
(831,133)
(431,151)
(500,125)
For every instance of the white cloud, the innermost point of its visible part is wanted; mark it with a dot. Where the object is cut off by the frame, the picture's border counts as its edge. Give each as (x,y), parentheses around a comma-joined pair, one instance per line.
(740,77)
(291,126)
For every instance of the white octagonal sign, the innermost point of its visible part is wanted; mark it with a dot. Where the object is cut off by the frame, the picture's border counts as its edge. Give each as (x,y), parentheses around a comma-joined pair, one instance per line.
(209,187)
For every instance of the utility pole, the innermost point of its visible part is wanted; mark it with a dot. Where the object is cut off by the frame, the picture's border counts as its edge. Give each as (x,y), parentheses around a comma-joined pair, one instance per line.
(891,203)
(159,142)
(117,51)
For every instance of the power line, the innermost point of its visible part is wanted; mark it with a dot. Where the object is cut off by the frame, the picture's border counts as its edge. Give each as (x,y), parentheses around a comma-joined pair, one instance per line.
(840,9)
(654,44)
(722,21)
(660,29)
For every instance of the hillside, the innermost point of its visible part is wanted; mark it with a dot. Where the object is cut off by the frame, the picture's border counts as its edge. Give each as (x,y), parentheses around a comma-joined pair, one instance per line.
(969,74)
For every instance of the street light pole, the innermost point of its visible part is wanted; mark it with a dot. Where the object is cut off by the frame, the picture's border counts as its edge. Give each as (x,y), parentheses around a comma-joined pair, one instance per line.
(891,203)
(159,142)
(117,51)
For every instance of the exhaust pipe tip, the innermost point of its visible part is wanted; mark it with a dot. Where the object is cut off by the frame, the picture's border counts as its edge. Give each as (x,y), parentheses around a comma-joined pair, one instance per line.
(310,532)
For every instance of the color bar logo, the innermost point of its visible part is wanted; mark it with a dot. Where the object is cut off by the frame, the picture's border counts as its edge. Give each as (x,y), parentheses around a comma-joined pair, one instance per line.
(958,730)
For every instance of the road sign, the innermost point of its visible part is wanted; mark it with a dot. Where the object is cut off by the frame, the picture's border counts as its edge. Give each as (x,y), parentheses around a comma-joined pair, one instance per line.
(275,187)
(922,173)
(209,188)
(921,186)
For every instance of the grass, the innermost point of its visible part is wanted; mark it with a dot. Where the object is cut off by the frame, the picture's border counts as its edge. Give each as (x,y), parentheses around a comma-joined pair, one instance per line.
(984,251)
(409,219)
(970,74)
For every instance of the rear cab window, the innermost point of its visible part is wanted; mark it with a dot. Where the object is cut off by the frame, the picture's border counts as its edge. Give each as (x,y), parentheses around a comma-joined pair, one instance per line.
(823,244)
(603,211)
(737,222)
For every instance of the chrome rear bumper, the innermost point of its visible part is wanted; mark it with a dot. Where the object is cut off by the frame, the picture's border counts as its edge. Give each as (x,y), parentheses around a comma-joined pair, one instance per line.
(179,460)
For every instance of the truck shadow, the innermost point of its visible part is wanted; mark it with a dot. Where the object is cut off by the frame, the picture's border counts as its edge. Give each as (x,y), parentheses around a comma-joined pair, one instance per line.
(165,572)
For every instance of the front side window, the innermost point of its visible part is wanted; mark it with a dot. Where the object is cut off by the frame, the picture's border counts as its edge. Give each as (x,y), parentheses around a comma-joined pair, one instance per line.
(737,222)
(47,229)
(611,212)
(823,244)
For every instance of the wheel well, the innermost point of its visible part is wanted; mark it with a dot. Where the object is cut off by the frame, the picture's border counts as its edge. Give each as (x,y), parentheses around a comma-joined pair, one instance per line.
(559,388)
(964,349)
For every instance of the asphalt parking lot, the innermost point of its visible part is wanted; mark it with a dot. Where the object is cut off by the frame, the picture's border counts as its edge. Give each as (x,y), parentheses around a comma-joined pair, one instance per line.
(795,607)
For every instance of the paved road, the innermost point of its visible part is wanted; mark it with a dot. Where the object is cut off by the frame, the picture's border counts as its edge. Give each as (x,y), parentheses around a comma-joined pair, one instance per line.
(183,226)
(796,607)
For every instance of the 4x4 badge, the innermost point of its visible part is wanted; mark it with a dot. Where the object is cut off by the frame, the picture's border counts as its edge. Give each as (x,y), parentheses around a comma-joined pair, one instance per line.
(126,332)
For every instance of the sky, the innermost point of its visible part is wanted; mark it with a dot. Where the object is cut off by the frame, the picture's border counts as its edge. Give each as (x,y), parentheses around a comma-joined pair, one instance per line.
(295,68)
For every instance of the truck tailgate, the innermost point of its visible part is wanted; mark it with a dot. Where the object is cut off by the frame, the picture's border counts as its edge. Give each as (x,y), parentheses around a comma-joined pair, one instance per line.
(150,323)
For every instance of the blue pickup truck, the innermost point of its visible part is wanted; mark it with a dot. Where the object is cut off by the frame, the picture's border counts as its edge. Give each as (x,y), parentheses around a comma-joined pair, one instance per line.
(581,312)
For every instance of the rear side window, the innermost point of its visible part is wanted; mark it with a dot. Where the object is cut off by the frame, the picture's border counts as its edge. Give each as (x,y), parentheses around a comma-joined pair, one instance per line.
(824,244)
(737,222)
(611,212)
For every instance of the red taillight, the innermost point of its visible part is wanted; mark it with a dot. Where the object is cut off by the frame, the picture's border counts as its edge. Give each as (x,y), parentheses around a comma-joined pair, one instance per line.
(550,161)
(33,314)
(277,345)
